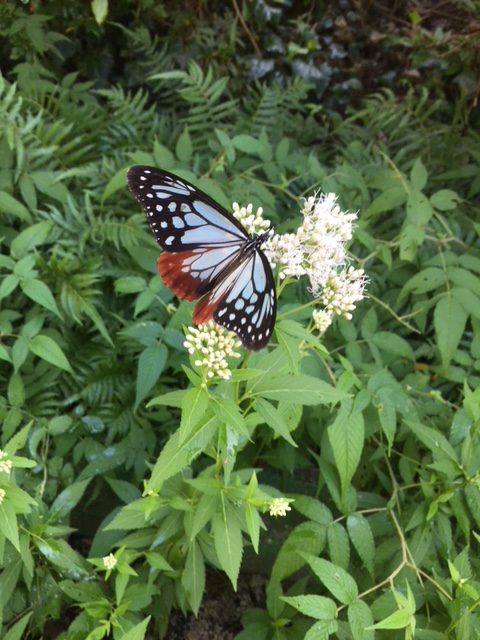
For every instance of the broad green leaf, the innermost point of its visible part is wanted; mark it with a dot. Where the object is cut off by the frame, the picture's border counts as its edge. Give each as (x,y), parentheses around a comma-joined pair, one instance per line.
(469,301)
(193,576)
(38,291)
(68,499)
(392,343)
(48,350)
(151,363)
(246,143)
(13,207)
(314,606)
(254,522)
(137,632)
(321,630)
(346,436)
(398,620)
(362,538)
(8,581)
(170,399)
(434,440)
(313,509)
(227,540)
(194,405)
(338,545)
(418,175)
(8,522)
(445,200)
(8,284)
(340,584)
(449,320)
(117,181)
(29,238)
(307,536)
(419,209)
(360,617)
(304,390)
(61,554)
(130,284)
(427,280)
(16,631)
(229,413)
(274,420)
(184,148)
(174,457)
(388,200)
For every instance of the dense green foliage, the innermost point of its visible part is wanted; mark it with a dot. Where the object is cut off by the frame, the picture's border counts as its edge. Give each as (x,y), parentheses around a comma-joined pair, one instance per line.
(383,411)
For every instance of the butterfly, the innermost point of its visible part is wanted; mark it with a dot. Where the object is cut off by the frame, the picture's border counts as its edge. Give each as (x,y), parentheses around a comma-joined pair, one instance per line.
(208,254)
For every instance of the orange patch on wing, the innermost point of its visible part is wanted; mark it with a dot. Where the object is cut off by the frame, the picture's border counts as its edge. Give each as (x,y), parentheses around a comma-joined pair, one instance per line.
(182,284)
(203,311)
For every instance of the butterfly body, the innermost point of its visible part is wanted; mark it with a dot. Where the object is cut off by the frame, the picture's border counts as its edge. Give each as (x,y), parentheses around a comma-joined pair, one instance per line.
(208,253)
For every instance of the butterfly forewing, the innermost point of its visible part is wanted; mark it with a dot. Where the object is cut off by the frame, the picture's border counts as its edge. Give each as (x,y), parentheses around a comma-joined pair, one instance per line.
(179,214)
(208,253)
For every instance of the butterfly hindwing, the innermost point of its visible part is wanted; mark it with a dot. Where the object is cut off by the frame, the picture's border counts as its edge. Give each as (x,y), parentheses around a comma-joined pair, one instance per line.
(243,302)
(179,214)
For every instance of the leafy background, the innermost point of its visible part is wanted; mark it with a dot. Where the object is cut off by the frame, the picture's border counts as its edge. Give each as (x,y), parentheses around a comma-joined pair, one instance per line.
(372,430)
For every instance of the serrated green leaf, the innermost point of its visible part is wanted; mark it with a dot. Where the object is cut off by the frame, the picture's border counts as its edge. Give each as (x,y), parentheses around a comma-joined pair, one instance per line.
(8,522)
(193,576)
(184,147)
(170,399)
(338,545)
(340,584)
(346,437)
(194,405)
(68,499)
(13,207)
(392,343)
(362,539)
(274,420)
(314,606)
(16,631)
(449,320)
(304,390)
(227,539)
(360,617)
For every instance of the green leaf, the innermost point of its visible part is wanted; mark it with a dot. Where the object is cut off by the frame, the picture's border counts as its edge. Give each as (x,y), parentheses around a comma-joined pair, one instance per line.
(117,181)
(398,620)
(392,343)
(38,291)
(425,281)
(8,522)
(137,632)
(29,238)
(340,584)
(388,200)
(194,405)
(68,499)
(444,200)
(321,630)
(184,148)
(229,412)
(151,363)
(418,175)
(61,554)
(360,617)
(193,576)
(227,539)
(174,457)
(362,539)
(346,436)
(247,144)
(419,209)
(314,606)
(170,399)
(338,545)
(48,350)
(8,284)
(274,420)
(435,441)
(469,301)
(8,581)
(16,631)
(449,320)
(304,390)
(13,207)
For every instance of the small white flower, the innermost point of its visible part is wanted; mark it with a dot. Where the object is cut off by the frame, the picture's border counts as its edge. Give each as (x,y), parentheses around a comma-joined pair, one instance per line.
(2,495)
(212,345)
(253,222)
(5,465)
(109,562)
(279,507)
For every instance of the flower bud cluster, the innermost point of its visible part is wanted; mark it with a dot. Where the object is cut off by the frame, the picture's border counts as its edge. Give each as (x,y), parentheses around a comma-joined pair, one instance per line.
(253,222)
(5,465)
(212,345)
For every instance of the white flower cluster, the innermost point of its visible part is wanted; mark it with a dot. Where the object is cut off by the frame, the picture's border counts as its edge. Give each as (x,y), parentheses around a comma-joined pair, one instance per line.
(213,345)
(253,222)
(279,507)
(5,465)
(317,250)
(109,562)
(321,320)
(2,495)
